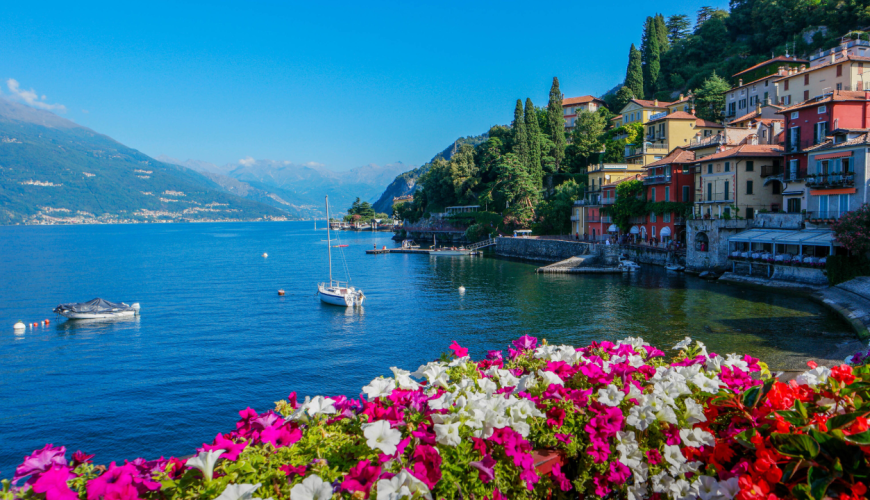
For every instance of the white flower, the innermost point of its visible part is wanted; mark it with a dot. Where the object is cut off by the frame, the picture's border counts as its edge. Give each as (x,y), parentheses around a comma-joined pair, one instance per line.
(682,344)
(403,379)
(379,436)
(714,364)
(706,487)
(728,489)
(401,485)
(682,490)
(697,437)
(666,414)
(635,342)
(379,387)
(525,382)
(610,395)
(708,385)
(320,405)
(447,434)
(240,492)
(550,378)
(694,412)
(487,385)
(506,378)
(459,361)
(637,492)
(674,456)
(205,462)
(640,417)
(312,488)
(662,482)
(816,376)
(443,402)
(702,348)
(735,361)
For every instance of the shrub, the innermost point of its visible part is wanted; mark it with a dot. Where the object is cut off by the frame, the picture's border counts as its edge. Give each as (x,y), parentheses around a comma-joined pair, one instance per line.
(842,268)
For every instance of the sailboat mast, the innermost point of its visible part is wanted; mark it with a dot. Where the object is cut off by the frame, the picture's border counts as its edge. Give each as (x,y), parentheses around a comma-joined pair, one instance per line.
(328,241)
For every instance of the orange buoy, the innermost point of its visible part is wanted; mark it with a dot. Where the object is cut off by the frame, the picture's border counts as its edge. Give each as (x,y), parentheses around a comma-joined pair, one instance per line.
(281,293)
(46,322)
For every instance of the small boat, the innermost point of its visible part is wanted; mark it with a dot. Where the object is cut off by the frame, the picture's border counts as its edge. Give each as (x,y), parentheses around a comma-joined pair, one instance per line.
(674,267)
(337,293)
(97,309)
(628,265)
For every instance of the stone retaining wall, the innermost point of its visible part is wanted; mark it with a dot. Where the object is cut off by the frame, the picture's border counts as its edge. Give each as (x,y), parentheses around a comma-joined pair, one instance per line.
(652,256)
(541,250)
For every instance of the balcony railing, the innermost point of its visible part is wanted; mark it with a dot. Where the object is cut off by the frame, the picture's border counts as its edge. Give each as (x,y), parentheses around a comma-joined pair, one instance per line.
(771,170)
(717,198)
(608,201)
(831,180)
(593,218)
(825,214)
(709,140)
(646,148)
(606,219)
(680,221)
(657,179)
(798,146)
(575,218)
(641,219)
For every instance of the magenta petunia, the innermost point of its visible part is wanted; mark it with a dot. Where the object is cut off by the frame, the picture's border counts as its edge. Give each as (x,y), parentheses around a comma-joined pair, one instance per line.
(654,457)
(525,342)
(618,473)
(79,457)
(486,468)
(291,471)
(232,448)
(427,465)
(280,435)
(565,438)
(53,483)
(40,461)
(458,350)
(563,482)
(361,478)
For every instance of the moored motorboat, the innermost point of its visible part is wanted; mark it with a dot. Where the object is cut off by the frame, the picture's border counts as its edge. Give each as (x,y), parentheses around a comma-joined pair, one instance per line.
(629,265)
(675,267)
(97,309)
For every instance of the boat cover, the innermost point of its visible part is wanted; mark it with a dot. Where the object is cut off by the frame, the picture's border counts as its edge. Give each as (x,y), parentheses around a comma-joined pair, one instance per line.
(94,306)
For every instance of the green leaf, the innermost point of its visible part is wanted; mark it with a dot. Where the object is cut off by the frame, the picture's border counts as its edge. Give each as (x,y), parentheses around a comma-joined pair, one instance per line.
(801,409)
(745,437)
(841,421)
(751,397)
(818,479)
(835,446)
(793,417)
(862,438)
(795,445)
(802,492)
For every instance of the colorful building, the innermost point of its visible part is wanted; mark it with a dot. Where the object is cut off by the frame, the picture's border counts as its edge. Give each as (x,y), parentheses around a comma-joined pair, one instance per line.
(572,106)
(664,132)
(733,183)
(759,87)
(606,225)
(836,182)
(670,179)
(587,210)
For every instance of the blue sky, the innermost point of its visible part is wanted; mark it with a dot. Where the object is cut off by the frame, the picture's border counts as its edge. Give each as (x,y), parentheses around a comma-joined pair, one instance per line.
(336,83)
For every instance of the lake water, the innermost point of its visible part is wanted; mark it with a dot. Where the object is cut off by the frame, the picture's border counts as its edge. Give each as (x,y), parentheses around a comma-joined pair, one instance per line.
(214,337)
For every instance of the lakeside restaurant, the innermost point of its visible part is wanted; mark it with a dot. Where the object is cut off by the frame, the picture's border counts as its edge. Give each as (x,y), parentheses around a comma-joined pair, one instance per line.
(807,248)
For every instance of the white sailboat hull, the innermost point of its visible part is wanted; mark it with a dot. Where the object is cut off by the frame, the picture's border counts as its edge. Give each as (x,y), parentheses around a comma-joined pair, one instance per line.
(338,296)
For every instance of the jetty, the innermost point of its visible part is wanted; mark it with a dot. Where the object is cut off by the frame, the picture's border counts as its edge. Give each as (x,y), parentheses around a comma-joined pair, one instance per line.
(579,265)
(426,251)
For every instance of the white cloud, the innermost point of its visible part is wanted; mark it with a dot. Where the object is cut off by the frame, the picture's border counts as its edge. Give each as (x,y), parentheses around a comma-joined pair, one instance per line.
(247,161)
(314,164)
(31,97)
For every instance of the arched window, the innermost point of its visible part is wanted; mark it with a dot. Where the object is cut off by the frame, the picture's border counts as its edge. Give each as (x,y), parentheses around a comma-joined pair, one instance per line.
(702,243)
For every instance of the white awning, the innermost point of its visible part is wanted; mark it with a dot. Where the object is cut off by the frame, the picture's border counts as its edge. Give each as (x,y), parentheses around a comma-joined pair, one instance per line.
(634,230)
(613,229)
(666,231)
(807,237)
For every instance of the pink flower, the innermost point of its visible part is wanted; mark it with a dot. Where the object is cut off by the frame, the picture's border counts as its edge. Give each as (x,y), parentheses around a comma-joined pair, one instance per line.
(560,478)
(79,458)
(486,466)
(40,461)
(280,435)
(53,483)
(565,438)
(600,451)
(290,471)
(525,342)
(672,433)
(221,443)
(427,465)
(555,417)
(601,486)
(654,457)
(116,480)
(618,473)
(493,354)
(361,477)
(458,350)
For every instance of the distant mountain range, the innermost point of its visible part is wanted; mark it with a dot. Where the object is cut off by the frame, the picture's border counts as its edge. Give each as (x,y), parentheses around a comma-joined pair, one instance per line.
(53,170)
(297,189)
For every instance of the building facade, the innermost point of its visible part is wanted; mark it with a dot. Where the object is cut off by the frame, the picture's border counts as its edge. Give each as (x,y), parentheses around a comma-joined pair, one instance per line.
(670,179)
(572,106)
(837,177)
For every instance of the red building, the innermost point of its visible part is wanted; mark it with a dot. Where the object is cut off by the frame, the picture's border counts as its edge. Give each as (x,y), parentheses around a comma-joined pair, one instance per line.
(608,197)
(670,179)
(807,124)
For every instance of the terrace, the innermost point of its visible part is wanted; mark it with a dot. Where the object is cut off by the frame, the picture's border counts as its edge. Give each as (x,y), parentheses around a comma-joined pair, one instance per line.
(831,180)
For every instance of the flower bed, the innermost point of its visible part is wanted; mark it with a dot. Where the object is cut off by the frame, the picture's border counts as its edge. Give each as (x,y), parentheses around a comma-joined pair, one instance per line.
(604,421)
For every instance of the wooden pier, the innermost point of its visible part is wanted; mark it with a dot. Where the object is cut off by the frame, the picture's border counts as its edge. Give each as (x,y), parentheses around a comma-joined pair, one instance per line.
(379,251)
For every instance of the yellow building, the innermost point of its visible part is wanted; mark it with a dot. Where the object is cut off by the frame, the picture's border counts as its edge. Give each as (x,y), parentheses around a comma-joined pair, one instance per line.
(599,175)
(665,131)
(639,110)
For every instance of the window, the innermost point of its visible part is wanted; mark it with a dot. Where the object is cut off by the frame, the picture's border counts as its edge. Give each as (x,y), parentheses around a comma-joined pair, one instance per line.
(807,79)
(839,70)
(667,193)
(652,218)
(806,95)
(726,212)
(750,166)
(795,115)
(652,194)
(710,168)
(748,187)
(666,217)
(839,86)
(731,108)
(701,242)
(820,130)
(766,96)
(793,169)
(847,165)
(785,85)
(822,109)
(776,188)
(794,205)
(727,192)
(653,231)
(685,194)
(750,213)
(727,166)
(709,191)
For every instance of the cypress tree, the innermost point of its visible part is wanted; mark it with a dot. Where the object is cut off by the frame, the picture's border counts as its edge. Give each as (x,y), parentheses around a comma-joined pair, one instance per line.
(557,123)
(662,33)
(652,62)
(533,132)
(521,138)
(634,74)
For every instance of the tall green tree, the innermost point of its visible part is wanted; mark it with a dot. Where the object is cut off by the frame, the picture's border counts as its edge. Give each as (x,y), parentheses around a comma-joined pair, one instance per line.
(587,137)
(521,138)
(628,204)
(623,96)
(634,74)
(514,188)
(678,27)
(534,132)
(710,98)
(651,58)
(704,13)
(557,124)
(464,174)
(554,214)
(662,33)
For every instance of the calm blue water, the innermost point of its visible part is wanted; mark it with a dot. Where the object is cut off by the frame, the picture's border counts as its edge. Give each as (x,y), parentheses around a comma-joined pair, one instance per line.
(214,337)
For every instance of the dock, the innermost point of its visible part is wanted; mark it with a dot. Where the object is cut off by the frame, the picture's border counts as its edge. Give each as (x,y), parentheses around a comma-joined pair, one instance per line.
(579,265)
(426,251)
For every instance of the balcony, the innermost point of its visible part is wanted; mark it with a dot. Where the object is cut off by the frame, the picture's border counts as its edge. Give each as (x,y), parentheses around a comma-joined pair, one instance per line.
(717,198)
(825,215)
(608,201)
(833,180)
(771,170)
(680,221)
(575,218)
(710,140)
(658,148)
(593,218)
(657,179)
(641,219)
(606,219)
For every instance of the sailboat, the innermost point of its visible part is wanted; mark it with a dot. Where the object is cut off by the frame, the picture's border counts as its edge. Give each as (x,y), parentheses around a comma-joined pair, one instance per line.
(338,293)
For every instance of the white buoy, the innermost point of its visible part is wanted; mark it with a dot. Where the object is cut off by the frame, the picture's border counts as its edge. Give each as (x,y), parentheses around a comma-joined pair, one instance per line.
(461,289)
(265,255)
(19,326)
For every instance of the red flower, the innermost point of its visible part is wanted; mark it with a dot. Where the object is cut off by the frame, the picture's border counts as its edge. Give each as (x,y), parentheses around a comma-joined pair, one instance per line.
(555,416)
(859,425)
(821,421)
(843,373)
(361,477)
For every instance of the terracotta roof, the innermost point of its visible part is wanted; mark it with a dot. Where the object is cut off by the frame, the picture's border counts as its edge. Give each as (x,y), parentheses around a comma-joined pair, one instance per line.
(579,100)
(753,82)
(745,117)
(745,150)
(768,121)
(707,123)
(617,117)
(821,66)
(838,96)
(771,61)
(651,104)
(678,155)
(676,115)
(635,177)
(861,140)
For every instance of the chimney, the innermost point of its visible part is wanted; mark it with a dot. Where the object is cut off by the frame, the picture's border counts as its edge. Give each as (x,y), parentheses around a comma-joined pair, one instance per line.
(833,56)
(867,95)
(758,108)
(693,110)
(681,97)
(656,103)
(803,67)
(740,82)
